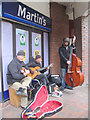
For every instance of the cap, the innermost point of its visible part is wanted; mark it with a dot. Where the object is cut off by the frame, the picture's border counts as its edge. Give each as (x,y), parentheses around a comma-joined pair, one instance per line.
(21,52)
(37,57)
(66,40)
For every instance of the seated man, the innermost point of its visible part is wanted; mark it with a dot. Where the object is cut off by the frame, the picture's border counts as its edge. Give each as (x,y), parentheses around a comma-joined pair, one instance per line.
(18,79)
(42,77)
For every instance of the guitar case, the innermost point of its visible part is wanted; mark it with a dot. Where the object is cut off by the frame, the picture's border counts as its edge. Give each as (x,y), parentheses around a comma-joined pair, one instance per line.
(47,107)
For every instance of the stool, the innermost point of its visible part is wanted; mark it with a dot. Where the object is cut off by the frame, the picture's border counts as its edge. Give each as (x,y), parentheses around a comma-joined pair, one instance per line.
(14,99)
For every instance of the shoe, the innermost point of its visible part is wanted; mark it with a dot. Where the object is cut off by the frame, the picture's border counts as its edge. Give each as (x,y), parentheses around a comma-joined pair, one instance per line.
(69,87)
(20,92)
(62,89)
(23,107)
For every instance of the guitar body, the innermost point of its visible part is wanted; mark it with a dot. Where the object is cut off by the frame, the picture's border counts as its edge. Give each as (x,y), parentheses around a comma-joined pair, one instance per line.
(35,72)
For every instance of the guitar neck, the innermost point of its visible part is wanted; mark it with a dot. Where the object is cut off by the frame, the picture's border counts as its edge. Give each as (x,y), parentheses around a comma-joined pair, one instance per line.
(44,68)
(41,69)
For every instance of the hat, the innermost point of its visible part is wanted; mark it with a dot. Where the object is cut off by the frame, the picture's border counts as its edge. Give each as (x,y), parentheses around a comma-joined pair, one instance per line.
(37,57)
(21,52)
(66,40)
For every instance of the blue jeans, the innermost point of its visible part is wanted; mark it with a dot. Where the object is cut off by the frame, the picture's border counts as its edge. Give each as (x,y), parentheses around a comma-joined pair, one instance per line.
(64,85)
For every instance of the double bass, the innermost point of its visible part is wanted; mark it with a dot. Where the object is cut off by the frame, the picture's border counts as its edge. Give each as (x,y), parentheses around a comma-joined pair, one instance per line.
(74,77)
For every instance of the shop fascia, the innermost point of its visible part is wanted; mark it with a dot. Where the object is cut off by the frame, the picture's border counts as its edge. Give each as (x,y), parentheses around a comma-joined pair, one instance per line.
(22,12)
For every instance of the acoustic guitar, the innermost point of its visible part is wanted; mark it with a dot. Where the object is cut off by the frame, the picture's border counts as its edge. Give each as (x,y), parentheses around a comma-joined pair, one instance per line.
(36,70)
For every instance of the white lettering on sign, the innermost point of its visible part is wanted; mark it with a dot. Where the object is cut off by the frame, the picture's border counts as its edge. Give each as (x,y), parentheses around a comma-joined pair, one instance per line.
(31,16)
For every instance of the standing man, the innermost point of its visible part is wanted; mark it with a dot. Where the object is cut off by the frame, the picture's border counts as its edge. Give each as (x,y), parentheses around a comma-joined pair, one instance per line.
(18,79)
(42,77)
(64,52)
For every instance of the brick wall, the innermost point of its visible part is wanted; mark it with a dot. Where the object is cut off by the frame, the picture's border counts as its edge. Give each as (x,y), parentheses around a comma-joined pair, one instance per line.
(85,48)
(89,48)
(60,29)
(81,31)
(78,33)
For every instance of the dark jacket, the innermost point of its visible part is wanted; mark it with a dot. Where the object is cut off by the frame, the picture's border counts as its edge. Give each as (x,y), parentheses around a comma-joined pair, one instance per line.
(14,71)
(64,55)
(33,64)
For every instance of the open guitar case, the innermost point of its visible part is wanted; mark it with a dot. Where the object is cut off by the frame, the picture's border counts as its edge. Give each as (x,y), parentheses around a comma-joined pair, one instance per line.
(47,107)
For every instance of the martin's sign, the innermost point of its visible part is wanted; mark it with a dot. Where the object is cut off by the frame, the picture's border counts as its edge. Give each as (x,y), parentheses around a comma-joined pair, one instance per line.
(30,16)
(20,12)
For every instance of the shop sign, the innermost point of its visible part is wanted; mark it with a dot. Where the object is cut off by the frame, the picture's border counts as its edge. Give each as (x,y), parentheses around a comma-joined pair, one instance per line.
(22,13)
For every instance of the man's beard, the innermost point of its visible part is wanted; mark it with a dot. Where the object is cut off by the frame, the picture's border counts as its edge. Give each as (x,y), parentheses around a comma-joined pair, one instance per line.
(65,45)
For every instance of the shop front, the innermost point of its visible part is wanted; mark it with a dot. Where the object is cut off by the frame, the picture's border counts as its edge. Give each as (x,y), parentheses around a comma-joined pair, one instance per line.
(21,28)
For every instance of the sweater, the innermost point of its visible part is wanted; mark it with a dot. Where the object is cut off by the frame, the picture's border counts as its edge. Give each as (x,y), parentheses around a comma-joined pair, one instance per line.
(14,71)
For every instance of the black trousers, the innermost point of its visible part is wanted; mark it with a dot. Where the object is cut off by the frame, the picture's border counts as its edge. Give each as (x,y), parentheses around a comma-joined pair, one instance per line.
(43,79)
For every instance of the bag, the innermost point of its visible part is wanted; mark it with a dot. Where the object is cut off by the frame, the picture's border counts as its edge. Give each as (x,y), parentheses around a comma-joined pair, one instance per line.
(34,86)
(41,106)
(29,92)
(55,79)
(51,88)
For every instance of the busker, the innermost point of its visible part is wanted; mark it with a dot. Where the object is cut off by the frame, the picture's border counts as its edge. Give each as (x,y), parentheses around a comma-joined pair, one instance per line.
(42,77)
(18,79)
(64,52)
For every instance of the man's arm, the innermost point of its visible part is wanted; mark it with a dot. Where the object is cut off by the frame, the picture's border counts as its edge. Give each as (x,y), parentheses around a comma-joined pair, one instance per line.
(16,74)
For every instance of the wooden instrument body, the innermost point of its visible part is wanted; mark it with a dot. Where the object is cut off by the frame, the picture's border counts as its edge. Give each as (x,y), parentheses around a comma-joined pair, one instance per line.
(35,69)
(76,75)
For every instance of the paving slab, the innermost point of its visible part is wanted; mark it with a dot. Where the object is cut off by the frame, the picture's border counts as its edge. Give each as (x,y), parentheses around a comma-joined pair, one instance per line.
(75,105)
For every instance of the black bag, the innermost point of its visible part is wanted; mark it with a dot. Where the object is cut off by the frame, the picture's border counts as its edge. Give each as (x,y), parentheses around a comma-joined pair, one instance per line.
(36,85)
(55,79)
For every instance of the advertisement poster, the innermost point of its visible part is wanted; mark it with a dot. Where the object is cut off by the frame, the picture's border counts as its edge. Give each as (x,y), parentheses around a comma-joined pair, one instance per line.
(25,55)
(36,52)
(22,39)
(22,43)
(37,40)
(36,43)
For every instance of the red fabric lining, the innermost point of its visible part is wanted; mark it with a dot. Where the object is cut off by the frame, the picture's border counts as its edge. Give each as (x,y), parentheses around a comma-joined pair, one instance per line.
(49,106)
(40,99)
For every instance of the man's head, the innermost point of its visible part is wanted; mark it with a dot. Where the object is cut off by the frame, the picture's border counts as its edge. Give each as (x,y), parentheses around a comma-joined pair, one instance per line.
(21,55)
(66,41)
(38,59)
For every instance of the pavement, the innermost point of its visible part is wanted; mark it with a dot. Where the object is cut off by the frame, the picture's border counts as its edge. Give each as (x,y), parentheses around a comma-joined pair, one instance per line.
(75,105)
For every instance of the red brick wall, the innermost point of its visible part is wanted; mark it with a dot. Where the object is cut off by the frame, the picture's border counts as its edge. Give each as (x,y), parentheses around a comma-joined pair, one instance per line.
(71,28)
(78,33)
(81,31)
(60,29)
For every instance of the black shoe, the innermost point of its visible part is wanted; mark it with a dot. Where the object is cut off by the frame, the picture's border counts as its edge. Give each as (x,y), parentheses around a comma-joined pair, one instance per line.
(23,107)
(20,92)
(69,87)
(62,88)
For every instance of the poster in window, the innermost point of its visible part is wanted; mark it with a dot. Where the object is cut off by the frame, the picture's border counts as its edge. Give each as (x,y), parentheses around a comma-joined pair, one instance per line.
(22,39)
(36,52)
(37,40)
(25,55)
